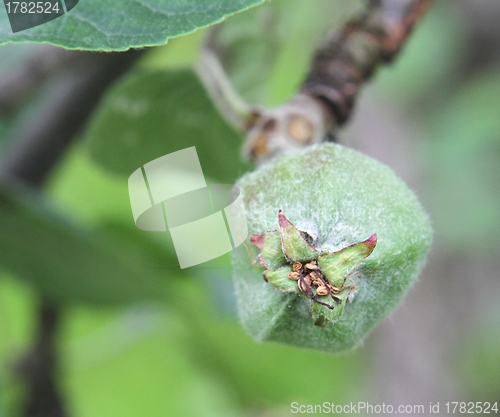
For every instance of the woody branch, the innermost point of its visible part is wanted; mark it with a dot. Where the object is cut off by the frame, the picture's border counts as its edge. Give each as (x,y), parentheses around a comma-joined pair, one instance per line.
(326,98)
(349,59)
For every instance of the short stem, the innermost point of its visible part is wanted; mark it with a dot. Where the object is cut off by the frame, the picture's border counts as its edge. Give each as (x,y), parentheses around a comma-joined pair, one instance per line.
(230,105)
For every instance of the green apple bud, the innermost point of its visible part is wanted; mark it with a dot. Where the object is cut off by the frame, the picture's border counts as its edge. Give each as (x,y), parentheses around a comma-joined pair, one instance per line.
(315,217)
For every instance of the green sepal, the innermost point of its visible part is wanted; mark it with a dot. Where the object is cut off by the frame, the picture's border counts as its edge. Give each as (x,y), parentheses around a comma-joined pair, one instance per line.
(295,247)
(279,279)
(323,315)
(271,254)
(338,265)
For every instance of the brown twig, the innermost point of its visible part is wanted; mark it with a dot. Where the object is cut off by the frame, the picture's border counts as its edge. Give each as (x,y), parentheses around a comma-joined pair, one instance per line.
(337,73)
(347,61)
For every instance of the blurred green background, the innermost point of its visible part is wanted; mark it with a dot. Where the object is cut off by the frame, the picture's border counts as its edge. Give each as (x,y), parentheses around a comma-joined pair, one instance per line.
(433,116)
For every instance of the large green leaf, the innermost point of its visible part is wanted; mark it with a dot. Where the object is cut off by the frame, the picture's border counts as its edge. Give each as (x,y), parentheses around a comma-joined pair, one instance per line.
(118,25)
(155,113)
(67,264)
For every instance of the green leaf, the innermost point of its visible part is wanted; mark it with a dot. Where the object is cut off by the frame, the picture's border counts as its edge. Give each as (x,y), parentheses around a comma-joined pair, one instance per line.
(67,264)
(117,26)
(154,113)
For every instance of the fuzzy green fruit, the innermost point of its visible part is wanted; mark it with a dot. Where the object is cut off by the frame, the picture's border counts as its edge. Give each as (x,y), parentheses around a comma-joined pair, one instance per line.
(338,197)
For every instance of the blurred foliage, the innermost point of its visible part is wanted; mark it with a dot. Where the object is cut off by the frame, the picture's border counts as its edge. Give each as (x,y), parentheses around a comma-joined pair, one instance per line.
(268,72)
(168,111)
(463,165)
(187,355)
(477,359)
(70,265)
(427,62)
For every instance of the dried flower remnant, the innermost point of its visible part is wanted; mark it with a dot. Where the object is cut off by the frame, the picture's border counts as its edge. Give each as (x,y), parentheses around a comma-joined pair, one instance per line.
(293,265)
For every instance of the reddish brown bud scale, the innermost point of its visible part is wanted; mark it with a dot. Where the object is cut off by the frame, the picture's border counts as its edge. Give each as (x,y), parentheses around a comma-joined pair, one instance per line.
(283,221)
(257,241)
(371,242)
